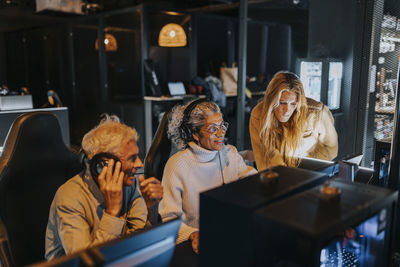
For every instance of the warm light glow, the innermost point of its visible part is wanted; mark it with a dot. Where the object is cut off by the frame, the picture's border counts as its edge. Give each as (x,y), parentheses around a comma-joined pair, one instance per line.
(173,13)
(110,43)
(172,35)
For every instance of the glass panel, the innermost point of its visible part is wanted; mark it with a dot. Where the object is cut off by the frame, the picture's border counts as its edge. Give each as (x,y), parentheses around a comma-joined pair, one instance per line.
(172,64)
(87,78)
(358,246)
(334,84)
(123,48)
(310,75)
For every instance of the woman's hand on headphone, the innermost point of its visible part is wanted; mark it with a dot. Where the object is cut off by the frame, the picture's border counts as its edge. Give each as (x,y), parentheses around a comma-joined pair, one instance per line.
(110,185)
(151,189)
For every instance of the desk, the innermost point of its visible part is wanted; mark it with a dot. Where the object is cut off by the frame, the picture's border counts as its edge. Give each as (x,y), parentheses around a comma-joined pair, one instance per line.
(184,256)
(148,112)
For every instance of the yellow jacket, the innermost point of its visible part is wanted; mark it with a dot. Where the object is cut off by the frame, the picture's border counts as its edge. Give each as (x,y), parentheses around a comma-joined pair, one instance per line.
(319,136)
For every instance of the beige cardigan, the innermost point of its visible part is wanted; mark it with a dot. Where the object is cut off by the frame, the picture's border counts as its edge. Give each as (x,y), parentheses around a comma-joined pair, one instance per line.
(319,138)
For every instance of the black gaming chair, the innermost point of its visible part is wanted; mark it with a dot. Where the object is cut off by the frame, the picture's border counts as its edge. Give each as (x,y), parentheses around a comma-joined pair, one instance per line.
(34,163)
(159,151)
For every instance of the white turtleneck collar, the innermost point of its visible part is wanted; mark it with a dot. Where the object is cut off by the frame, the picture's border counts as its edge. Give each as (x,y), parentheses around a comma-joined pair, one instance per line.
(202,154)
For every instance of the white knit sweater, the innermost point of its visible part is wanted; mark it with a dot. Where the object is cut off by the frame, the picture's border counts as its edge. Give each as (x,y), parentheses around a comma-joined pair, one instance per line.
(192,171)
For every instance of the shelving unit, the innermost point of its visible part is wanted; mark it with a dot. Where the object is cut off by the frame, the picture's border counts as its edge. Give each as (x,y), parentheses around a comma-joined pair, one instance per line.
(386,80)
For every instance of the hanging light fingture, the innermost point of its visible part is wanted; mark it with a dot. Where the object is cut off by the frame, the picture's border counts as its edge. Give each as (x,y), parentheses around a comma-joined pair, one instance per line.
(110,43)
(172,35)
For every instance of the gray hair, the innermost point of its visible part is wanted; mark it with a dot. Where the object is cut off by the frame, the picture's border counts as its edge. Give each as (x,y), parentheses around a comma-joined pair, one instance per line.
(108,136)
(196,121)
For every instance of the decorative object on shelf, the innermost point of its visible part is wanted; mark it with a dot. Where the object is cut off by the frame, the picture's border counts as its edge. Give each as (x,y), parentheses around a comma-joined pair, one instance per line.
(110,43)
(53,100)
(229,77)
(172,35)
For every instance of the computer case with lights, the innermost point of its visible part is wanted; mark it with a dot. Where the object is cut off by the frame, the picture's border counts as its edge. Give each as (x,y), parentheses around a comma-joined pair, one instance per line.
(226,212)
(310,229)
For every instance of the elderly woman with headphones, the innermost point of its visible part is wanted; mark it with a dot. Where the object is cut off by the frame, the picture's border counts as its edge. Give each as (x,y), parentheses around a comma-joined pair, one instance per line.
(203,162)
(286,125)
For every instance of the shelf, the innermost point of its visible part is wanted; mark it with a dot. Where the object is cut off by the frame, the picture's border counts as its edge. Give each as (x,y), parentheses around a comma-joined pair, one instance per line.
(382,111)
(172,98)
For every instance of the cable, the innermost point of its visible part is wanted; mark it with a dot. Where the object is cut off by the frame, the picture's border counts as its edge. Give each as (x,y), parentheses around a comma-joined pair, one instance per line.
(220,167)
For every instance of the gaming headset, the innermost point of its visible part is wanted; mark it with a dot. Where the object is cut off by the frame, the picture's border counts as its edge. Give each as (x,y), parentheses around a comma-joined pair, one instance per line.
(98,162)
(186,130)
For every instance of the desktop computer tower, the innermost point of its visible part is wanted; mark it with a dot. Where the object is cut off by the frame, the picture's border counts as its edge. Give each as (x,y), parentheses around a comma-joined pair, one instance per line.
(350,228)
(226,213)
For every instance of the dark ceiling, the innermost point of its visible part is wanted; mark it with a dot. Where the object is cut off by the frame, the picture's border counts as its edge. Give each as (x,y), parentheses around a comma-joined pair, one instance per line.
(18,14)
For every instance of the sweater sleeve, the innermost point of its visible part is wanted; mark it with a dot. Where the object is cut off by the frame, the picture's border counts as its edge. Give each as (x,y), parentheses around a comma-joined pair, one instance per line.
(137,216)
(254,129)
(275,158)
(74,230)
(243,169)
(327,145)
(171,203)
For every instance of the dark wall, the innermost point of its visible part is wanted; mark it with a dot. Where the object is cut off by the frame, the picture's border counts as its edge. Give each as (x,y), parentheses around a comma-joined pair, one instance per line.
(215,42)
(269,46)
(338,29)
(63,58)
(279,55)
(297,19)
(36,59)
(3,65)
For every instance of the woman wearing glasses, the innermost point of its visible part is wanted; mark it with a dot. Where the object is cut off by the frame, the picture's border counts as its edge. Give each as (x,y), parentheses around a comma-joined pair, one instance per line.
(203,162)
(286,125)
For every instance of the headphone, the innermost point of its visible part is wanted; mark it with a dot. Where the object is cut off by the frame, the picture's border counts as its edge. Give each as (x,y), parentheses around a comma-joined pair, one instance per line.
(98,162)
(186,129)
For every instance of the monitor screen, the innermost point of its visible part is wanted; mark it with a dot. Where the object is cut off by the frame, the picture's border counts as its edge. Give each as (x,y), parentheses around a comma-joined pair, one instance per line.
(362,245)
(330,168)
(176,88)
(153,247)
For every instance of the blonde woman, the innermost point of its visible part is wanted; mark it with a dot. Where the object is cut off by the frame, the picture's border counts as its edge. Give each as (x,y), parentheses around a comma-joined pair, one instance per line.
(286,125)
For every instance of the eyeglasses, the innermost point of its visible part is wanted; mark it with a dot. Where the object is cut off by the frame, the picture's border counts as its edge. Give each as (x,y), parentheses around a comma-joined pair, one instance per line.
(214,128)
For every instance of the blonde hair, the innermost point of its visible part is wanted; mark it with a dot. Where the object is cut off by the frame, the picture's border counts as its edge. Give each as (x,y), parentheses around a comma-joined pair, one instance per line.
(284,137)
(108,136)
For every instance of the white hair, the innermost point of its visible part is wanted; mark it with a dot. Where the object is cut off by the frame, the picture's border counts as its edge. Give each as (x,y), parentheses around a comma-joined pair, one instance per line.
(108,136)
(196,121)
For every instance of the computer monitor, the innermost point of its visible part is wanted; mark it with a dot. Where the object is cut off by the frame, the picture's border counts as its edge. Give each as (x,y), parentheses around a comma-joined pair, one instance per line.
(153,247)
(328,167)
(350,169)
(312,228)
(78,259)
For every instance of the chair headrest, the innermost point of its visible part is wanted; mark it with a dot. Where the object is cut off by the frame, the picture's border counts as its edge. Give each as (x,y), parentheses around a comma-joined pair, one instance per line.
(32,136)
(159,150)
